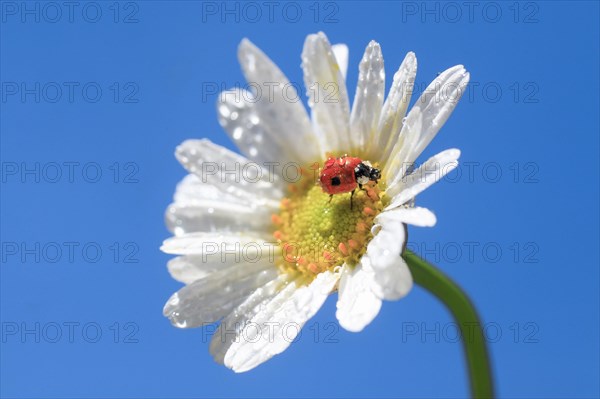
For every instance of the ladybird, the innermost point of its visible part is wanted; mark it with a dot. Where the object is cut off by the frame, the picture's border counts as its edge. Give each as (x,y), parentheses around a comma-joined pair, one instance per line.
(344,174)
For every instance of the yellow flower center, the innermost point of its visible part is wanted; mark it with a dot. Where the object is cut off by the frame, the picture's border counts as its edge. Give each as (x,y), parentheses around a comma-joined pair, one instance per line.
(316,233)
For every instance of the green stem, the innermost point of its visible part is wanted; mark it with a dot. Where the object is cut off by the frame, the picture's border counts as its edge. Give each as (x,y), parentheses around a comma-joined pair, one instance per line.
(457,302)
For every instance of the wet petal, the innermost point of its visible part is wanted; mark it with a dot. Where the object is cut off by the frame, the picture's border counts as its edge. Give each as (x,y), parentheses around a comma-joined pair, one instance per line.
(340,51)
(211,298)
(279,110)
(434,169)
(392,279)
(217,216)
(368,99)
(239,116)
(190,191)
(190,268)
(231,173)
(417,216)
(394,109)
(357,304)
(326,92)
(235,243)
(278,322)
(426,118)
(230,329)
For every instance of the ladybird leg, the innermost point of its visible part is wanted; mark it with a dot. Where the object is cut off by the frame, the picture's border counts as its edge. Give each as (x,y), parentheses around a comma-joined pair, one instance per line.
(360,186)
(351,195)
(330,198)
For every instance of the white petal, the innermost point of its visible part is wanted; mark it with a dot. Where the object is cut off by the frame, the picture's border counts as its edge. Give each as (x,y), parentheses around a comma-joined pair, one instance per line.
(327,94)
(251,328)
(191,191)
(234,244)
(229,330)
(239,116)
(278,107)
(426,118)
(392,279)
(431,171)
(183,269)
(231,173)
(397,165)
(368,99)
(357,305)
(417,216)
(211,298)
(437,105)
(190,268)
(341,56)
(394,108)
(278,323)
(217,216)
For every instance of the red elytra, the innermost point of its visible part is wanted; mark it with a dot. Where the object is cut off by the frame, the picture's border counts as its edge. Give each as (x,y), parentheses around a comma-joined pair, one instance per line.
(338,175)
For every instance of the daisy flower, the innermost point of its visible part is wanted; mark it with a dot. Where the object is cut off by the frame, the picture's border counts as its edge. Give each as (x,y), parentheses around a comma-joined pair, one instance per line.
(260,245)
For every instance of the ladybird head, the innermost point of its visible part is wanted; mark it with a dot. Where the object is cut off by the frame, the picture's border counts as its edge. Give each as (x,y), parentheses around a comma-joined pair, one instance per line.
(365,172)
(375,174)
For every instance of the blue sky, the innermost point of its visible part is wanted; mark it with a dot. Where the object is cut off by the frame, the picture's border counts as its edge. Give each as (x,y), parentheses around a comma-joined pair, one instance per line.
(96,97)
